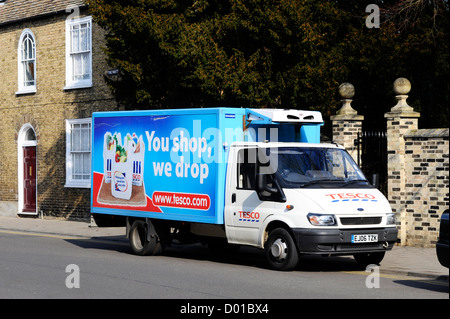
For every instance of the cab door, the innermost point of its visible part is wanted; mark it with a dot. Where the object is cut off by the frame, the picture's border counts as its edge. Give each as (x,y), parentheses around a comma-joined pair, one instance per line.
(244,210)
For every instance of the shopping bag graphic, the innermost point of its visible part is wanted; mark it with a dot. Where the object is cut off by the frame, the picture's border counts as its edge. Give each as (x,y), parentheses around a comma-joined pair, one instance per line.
(138,148)
(109,150)
(122,177)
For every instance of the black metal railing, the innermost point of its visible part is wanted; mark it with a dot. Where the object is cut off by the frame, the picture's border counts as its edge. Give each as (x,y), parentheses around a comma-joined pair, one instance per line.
(372,156)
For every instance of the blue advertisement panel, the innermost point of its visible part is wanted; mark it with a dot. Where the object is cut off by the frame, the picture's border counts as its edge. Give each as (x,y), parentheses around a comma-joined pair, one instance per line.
(157,164)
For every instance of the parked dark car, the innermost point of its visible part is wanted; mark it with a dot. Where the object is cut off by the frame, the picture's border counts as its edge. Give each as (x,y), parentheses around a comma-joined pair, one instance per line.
(442,244)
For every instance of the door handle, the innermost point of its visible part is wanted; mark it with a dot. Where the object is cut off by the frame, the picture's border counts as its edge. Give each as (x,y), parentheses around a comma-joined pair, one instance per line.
(233,197)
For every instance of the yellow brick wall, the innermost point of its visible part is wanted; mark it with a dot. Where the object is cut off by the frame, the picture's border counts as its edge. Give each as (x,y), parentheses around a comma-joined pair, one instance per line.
(46,110)
(418,179)
(426,185)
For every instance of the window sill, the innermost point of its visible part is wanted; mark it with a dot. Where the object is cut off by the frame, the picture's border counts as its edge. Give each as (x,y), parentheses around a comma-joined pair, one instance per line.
(26,91)
(77,185)
(78,86)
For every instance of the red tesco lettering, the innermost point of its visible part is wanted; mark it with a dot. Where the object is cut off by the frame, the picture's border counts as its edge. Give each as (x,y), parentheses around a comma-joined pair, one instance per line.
(252,215)
(351,196)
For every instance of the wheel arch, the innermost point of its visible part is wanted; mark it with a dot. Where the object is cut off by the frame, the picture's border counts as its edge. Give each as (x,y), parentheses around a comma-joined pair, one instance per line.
(271,224)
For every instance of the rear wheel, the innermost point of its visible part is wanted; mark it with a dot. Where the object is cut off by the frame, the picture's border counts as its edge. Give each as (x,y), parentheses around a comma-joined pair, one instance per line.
(140,241)
(281,251)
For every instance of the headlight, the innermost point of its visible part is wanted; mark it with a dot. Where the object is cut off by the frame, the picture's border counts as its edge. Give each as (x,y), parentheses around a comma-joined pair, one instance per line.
(390,219)
(321,220)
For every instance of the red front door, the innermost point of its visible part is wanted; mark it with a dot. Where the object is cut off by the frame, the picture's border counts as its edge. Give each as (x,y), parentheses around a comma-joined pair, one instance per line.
(29,179)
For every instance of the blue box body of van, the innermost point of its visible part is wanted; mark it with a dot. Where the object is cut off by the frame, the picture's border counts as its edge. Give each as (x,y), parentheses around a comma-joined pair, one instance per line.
(183,163)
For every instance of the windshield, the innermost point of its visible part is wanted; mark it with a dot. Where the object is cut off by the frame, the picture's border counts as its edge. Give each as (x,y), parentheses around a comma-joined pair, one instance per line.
(312,166)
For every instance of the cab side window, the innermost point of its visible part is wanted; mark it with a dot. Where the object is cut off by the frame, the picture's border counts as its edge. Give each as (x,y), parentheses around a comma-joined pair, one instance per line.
(246,169)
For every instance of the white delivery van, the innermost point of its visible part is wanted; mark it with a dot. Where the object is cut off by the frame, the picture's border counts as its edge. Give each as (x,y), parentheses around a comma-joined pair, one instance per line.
(235,176)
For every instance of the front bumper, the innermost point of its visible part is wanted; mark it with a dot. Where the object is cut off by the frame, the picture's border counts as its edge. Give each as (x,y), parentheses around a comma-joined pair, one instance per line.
(338,241)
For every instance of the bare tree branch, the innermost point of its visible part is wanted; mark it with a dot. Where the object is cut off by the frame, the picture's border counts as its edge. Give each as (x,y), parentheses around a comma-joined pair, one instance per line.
(405,14)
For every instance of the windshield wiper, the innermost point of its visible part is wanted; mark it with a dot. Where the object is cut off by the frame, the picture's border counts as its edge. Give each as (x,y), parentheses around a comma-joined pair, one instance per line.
(345,183)
(318,181)
(353,181)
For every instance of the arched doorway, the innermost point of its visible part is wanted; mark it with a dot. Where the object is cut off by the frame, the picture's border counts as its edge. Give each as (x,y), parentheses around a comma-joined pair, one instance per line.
(27,170)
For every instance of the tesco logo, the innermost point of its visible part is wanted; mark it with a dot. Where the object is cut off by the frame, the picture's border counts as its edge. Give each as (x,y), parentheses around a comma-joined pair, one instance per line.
(351,196)
(252,215)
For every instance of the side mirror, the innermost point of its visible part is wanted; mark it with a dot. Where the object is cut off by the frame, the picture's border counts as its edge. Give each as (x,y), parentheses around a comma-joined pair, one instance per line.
(376,180)
(275,193)
(261,184)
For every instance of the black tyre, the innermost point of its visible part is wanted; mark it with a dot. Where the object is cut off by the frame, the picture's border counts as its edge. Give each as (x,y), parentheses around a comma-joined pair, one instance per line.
(281,251)
(365,259)
(141,243)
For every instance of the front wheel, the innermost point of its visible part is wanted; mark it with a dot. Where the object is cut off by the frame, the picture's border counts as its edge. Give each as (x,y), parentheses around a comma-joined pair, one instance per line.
(281,251)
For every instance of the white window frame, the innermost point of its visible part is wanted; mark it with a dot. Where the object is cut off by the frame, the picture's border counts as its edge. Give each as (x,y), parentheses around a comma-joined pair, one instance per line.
(70,162)
(71,82)
(22,88)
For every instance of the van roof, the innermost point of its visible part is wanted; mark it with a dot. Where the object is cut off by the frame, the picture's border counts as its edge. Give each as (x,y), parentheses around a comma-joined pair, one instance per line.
(285,144)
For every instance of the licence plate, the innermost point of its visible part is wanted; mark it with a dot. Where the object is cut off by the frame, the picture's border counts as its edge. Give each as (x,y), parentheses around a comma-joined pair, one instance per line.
(367,238)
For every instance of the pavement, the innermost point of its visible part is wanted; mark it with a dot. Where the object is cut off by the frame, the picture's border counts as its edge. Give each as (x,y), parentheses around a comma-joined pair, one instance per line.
(401,260)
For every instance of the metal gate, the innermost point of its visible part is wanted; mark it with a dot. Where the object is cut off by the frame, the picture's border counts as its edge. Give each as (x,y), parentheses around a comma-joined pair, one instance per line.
(372,150)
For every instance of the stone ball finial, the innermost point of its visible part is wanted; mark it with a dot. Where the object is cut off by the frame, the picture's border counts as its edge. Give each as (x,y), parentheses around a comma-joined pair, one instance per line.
(402,86)
(346,90)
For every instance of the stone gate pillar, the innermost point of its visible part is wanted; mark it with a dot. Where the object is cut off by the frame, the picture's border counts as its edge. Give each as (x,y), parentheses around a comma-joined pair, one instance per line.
(347,123)
(400,120)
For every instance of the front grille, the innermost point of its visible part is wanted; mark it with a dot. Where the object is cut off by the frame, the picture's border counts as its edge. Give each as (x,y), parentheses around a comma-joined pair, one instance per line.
(360,220)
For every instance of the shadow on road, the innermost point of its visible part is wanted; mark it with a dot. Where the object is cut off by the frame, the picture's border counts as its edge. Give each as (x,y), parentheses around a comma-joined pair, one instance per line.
(110,243)
(426,284)
(245,256)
